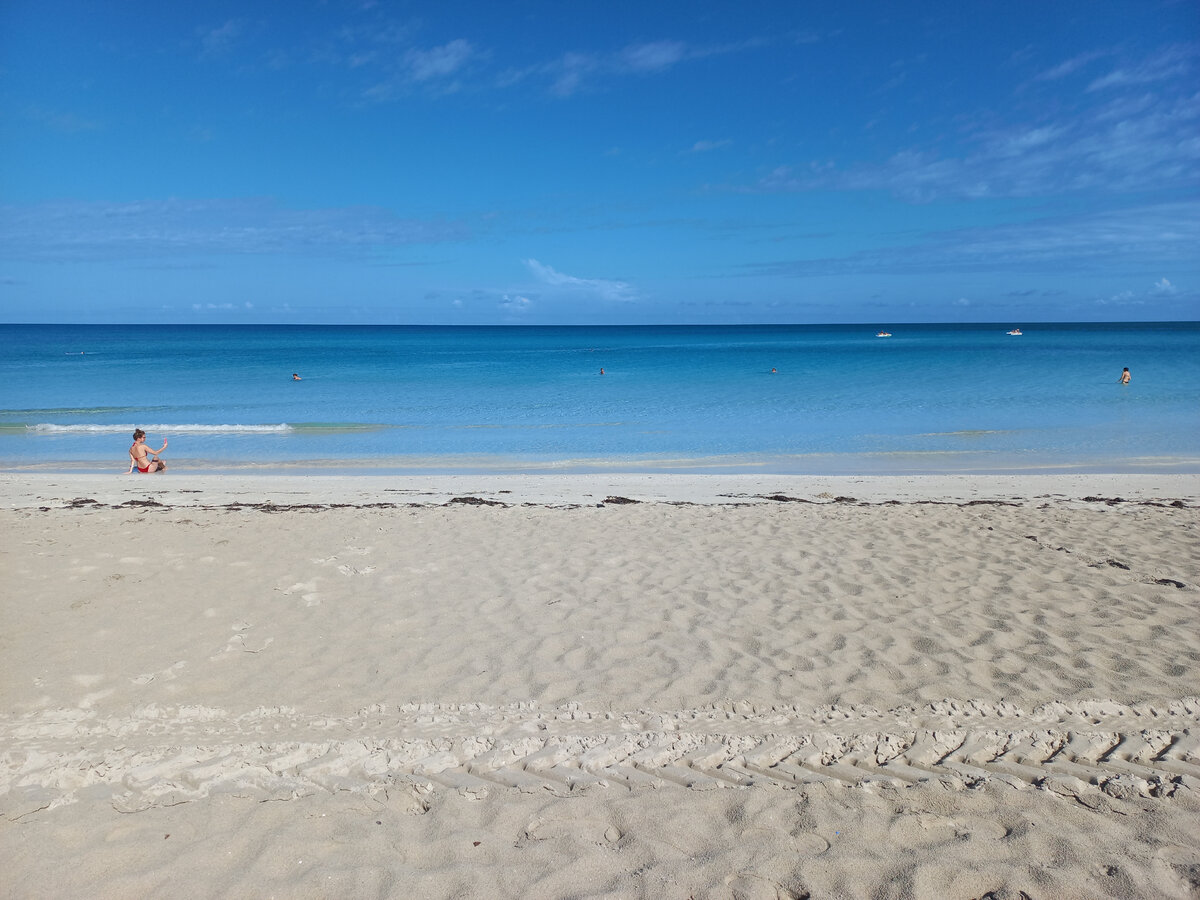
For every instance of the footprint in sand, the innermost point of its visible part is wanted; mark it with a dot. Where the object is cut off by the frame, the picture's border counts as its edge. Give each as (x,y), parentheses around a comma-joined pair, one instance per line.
(803,845)
(347,569)
(587,830)
(753,887)
(307,591)
(89,700)
(166,674)
(922,830)
(239,642)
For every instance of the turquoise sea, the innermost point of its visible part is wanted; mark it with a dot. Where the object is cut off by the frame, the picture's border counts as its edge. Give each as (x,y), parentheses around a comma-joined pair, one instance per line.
(930,398)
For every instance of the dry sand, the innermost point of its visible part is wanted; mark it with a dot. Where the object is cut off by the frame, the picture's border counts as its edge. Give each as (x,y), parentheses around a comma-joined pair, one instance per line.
(740,686)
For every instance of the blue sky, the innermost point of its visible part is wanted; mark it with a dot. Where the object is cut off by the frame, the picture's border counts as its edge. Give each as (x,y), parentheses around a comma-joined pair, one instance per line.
(599,162)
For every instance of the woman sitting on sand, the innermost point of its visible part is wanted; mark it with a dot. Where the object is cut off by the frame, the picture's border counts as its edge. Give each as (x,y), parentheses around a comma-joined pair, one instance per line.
(139,455)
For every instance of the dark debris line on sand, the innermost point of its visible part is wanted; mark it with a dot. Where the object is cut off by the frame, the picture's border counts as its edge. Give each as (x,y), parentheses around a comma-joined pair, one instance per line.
(784,498)
(1115,564)
(270,507)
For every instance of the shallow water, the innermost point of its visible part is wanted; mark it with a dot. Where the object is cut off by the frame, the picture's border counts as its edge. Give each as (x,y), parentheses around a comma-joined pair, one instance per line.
(931,397)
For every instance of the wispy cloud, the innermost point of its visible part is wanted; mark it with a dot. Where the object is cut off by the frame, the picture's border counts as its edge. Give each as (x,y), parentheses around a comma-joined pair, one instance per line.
(651,57)
(438,62)
(223,306)
(1172,62)
(1070,66)
(64,122)
(1132,141)
(605,289)
(515,304)
(1122,298)
(1104,153)
(386,52)
(575,71)
(437,69)
(77,231)
(705,146)
(567,74)
(358,45)
(1032,292)
(220,39)
(1163,233)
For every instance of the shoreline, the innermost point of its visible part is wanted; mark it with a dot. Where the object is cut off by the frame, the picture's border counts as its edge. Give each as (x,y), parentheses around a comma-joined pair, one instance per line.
(892,464)
(175,489)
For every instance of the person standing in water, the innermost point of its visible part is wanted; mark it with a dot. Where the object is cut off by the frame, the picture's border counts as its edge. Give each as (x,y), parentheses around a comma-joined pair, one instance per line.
(1125,376)
(140,455)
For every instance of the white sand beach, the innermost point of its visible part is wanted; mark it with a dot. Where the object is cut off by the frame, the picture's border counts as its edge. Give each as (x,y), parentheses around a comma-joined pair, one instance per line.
(600,686)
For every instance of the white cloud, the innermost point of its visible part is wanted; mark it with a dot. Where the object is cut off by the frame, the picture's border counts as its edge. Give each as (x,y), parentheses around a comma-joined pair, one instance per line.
(1070,66)
(653,56)
(66,122)
(438,62)
(219,40)
(1134,140)
(1124,298)
(1172,62)
(1163,286)
(516,304)
(618,291)
(568,73)
(705,146)
(160,228)
(1163,234)
(574,71)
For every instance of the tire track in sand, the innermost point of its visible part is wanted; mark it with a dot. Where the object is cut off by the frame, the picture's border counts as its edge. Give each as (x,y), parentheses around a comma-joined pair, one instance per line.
(1092,751)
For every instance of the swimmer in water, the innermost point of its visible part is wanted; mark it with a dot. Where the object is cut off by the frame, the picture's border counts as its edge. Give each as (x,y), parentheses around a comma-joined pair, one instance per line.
(1125,376)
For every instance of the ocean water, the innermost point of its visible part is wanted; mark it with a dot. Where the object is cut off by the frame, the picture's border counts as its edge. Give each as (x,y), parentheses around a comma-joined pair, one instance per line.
(930,398)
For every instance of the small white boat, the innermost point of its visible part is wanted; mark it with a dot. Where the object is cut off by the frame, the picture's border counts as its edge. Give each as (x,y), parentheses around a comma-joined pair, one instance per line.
(1014,331)
(883,334)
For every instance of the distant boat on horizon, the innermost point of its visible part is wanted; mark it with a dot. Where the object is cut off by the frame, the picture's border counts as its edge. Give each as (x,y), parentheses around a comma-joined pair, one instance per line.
(883,334)
(1014,331)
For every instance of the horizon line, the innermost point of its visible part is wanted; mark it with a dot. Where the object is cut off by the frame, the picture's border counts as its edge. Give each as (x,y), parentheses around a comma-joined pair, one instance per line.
(866,324)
